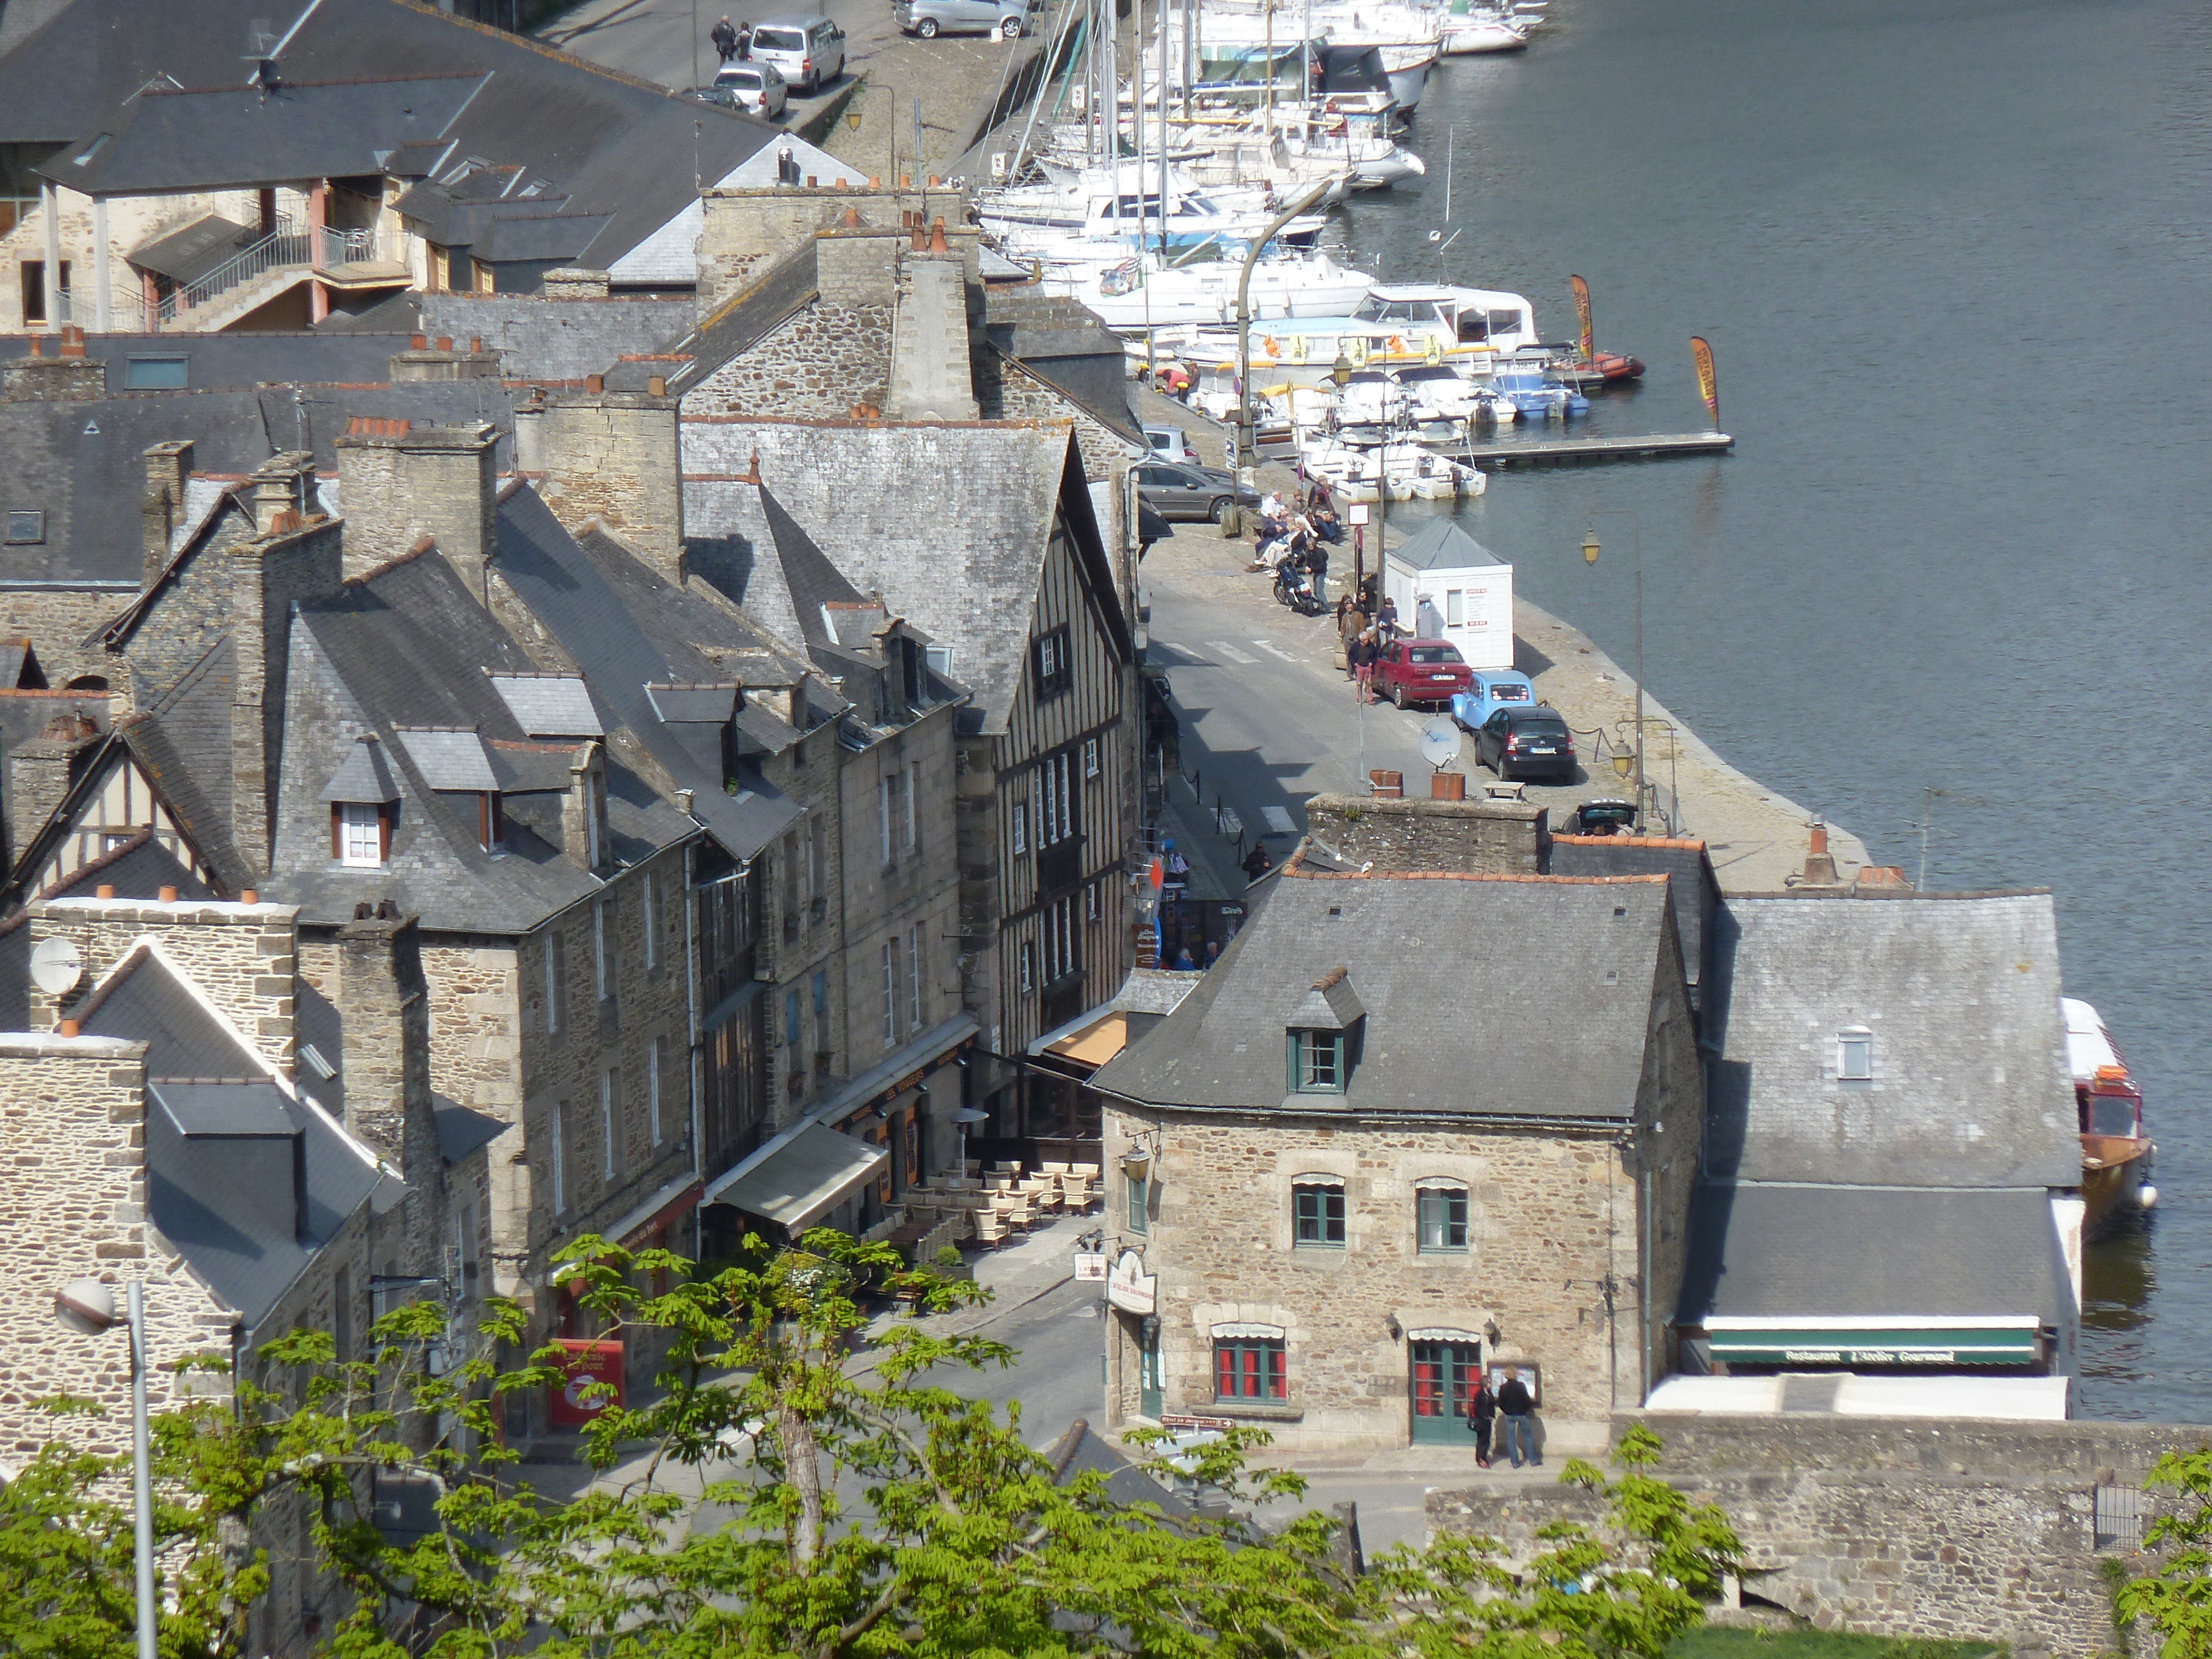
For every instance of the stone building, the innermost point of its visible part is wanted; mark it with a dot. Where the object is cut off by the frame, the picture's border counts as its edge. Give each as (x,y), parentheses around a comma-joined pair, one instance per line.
(408,151)
(982,536)
(1342,1184)
(1888,1190)
(195,1113)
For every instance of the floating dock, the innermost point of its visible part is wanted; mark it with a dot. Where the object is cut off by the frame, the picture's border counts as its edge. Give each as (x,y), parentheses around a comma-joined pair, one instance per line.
(1548,452)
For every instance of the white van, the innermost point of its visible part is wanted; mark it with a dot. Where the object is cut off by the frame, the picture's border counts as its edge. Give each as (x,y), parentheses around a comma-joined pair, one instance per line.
(809,52)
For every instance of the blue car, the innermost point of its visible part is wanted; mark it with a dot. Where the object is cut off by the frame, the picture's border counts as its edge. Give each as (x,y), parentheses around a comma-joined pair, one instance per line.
(1493,689)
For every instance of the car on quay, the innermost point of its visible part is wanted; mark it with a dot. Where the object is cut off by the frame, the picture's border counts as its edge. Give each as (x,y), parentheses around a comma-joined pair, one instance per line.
(1170,443)
(1420,671)
(930,18)
(1527,742)
(1606,816)
(1488,691)
(1184,491)
(808,52)
(750,89)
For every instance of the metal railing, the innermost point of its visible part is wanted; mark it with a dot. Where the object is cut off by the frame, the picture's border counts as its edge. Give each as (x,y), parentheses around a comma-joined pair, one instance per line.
(293,246)
(289,246)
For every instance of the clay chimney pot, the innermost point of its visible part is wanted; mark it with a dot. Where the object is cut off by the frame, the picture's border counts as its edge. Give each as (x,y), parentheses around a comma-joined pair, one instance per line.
(248,895)
(168,896)
(595,383)
(69,1028)
(852,218)
(476,343)
(103,890)
(937,238)
(445,343)
(418,342)
(656,386)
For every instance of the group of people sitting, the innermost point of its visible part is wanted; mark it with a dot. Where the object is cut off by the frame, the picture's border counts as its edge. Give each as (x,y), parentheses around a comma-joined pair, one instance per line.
(1301,531)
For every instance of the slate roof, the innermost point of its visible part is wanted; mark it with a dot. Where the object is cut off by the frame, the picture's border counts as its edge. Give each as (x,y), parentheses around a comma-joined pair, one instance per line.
(187,255)
(741,322)
(408,648)
(140,868)
(183,745)
(246,1228)
(350,355)
(625,626)
(1560,956)
(1080,1451)
(462,1129)
(1696,888)
(1791,1251)
(237,137)
(1441,545)
(951,522)
(550,705)
(65,458)
(1960,993)
(600,141)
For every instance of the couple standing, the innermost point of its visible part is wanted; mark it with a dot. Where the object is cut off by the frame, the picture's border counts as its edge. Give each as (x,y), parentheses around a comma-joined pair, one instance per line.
(1511,1402)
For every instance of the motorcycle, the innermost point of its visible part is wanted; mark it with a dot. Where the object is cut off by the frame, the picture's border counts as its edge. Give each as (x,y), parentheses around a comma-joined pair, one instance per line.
(1294,587)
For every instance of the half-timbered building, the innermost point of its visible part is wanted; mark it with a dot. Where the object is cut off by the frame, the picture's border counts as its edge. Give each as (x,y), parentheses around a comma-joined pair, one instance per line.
(983,536)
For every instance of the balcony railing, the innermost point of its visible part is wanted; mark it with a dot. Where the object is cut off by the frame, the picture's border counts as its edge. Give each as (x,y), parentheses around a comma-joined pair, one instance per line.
(292,245)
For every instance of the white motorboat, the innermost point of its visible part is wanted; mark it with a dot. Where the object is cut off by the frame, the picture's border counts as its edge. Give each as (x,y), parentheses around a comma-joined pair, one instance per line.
(1088,204)
(1143,292)
(1442,403)
(1361,473)
(1470,33)
(1396,325)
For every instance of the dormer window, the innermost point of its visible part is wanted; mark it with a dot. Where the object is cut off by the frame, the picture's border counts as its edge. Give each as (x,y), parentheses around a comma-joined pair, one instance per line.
(1855,1054)
(491,822)
(1055,672)
(1324,1033)
(361,834)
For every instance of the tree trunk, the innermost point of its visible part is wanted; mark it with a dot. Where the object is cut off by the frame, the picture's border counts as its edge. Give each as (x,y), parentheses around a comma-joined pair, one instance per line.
(804,1463)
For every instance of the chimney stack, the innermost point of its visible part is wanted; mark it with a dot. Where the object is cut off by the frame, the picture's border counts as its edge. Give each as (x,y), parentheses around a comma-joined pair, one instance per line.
(168,471)
(387,1040)
(401,482)
(283,483)
(1819,863)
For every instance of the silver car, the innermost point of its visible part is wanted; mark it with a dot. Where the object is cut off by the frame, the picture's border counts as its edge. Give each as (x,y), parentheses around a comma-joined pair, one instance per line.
(756,88)
(809,52)
(930,18)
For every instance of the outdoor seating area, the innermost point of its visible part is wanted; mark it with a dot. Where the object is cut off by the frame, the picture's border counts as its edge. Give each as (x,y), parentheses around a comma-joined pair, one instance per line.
(988,1204)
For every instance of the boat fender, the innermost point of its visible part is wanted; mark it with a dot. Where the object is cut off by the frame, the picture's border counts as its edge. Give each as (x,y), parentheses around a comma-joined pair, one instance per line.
(1397,343)
(1435,354)
(2147,1196)
(1298,348)
(1355,349)
(1270,347)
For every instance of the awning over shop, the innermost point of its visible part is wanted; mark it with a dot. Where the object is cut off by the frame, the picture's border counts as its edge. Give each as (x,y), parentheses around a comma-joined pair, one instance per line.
(673,1198)
(1996,1339)
(801,1176)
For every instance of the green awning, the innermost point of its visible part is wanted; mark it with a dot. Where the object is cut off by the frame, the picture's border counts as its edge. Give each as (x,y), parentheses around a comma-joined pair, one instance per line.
(1902,1344)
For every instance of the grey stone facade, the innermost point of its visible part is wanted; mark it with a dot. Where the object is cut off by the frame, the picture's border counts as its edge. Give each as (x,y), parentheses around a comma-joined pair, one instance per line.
(1489,837)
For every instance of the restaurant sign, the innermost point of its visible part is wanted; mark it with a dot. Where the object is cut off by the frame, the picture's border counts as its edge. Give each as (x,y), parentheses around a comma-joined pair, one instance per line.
(1129,1287)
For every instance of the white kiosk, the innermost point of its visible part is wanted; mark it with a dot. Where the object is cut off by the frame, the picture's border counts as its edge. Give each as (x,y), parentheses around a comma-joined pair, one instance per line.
(1447,586)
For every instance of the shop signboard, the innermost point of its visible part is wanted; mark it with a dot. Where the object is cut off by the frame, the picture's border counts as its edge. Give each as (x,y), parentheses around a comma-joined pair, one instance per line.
(586,1362)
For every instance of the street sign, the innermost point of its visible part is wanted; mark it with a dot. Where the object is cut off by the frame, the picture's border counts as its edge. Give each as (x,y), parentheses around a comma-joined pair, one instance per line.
(1090,1267)
(1355,512)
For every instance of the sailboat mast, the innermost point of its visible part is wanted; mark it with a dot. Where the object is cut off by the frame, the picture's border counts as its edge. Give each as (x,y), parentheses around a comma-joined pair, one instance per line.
(1269,95)
(1161,21)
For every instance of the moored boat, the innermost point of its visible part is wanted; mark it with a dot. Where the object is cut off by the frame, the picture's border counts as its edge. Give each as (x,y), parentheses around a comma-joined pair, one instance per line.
(2117,1156)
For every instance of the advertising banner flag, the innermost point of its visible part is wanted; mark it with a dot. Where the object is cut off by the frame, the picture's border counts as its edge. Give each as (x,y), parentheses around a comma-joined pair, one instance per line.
(1708,387)
(1583,313)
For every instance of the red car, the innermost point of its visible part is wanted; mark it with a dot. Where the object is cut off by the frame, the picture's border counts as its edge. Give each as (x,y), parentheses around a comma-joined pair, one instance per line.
(1421,670)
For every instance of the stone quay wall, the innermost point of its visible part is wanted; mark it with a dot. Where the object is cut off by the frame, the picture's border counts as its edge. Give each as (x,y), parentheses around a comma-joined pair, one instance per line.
(1471,837)
(1900,1527)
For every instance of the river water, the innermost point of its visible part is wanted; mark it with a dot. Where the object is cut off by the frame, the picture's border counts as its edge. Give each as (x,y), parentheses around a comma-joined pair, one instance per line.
(1952,259)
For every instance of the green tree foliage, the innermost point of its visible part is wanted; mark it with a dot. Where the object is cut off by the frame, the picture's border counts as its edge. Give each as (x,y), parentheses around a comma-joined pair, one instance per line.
(2175,1597)
(828,1507)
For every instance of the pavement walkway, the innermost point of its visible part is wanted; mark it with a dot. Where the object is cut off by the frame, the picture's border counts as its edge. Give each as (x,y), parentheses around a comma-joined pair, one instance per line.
(1267,719)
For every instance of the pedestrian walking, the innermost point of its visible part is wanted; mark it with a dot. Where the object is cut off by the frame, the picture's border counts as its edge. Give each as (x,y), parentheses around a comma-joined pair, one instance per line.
(1481,1416)
(1256,864)
(1386,620)
(724,37)
(1516,1409)
(1362,655)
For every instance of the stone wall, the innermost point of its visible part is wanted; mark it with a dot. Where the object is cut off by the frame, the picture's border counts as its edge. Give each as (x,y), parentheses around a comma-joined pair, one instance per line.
(429,481)
(240,957)
(63,625)
(614,456)
(813,365)
(1897,1527)
(744,231)
(72,1137)
(559,337)
(1485,837)
(1005,391)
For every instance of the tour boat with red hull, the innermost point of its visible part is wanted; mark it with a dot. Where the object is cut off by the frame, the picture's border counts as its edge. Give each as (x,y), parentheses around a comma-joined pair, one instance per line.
(2116,1155)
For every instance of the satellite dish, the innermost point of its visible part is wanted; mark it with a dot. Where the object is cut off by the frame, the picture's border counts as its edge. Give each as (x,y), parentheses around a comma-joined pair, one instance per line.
(1439,742)
(56,965)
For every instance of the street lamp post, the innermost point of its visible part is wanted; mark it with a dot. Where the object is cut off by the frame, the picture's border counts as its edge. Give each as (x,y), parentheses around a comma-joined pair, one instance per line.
(1589,556)
(1246,447)
(88,1306)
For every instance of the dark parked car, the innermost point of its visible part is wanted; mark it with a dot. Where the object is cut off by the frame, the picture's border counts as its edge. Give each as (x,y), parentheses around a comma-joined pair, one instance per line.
(1421,670)
(1527,742)
(1607,817)
(1178,491)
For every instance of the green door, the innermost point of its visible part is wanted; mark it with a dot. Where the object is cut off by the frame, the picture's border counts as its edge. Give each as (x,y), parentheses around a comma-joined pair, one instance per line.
(1443,1376)
(1151,1396)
